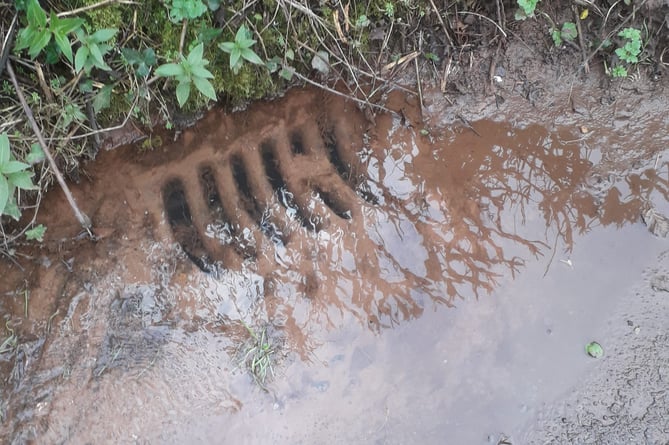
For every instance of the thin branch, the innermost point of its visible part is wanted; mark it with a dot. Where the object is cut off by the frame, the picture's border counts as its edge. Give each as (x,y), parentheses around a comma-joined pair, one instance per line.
(95,5)
(84,220)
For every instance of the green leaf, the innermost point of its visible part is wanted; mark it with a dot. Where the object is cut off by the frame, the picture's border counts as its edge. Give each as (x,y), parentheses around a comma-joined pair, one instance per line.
(252,57)
(98,60)
(38,43)
(569,31)
(235,55)
(183,91)
(242,34)
(199,71)
(594,349)
(66,26)
(204,87)
(12,167)
(103,35)
(11,209)
(23,39)
(36,233)
(22,180)
(35,14)
(36,154)
(80,58)
(4,148)
(557,37)
(287,73)
(169,70)
(4,193)
(64,44)
(102,100)
(195,56)
(227,46)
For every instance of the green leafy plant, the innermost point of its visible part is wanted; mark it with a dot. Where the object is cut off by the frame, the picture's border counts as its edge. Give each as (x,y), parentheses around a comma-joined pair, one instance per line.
(38,34)
(141,62)
(630,51)
(190,71)
(568,32)
(181,10)
(526,8)
(13,175)
(618,71)
(240,49)
(92,51)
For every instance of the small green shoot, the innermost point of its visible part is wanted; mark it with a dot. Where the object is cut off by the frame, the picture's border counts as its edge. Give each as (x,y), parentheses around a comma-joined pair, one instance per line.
(190,71)
(13,175)
(36,233)
(619,71)
(240,49)
(92,51)
(38,34)
(258,356)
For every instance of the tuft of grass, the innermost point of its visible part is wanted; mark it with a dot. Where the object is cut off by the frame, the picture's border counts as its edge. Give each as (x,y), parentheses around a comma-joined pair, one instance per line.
(257,356)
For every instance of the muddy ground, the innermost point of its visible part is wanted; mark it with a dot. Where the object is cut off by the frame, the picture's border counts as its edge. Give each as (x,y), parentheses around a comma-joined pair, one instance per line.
(426,276)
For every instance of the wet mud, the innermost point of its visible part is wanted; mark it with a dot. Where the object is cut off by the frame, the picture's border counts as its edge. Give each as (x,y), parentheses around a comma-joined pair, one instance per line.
(422,280)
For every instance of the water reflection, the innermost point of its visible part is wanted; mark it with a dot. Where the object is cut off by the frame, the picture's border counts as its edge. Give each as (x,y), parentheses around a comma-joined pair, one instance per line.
(452,217)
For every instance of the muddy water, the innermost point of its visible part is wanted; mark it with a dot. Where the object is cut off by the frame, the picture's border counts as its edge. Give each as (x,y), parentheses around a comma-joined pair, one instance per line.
(417,286)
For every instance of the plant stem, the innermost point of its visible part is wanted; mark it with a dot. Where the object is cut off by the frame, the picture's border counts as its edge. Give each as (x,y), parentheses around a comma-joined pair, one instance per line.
(84,220)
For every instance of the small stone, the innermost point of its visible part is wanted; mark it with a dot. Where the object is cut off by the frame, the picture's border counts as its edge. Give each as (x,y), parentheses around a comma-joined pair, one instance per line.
(637,330)
(584,129)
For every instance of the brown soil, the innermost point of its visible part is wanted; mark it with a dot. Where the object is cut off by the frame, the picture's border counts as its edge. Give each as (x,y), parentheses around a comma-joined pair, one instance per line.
(347,238)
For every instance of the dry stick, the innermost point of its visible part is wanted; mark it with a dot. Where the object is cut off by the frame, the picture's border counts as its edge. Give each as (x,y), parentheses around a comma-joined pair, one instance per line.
(96,5)
(443,25)
(420,86)
(577,19)
(346,96)
(84,220)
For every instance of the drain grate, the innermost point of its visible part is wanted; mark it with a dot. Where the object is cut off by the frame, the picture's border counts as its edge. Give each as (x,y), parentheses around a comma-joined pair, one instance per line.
(256,193)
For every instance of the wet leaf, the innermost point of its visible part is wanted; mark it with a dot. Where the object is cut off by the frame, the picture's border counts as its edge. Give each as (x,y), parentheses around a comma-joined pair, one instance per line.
(321,62)
(102,100)
(594,349)
(36,233)
(569,31)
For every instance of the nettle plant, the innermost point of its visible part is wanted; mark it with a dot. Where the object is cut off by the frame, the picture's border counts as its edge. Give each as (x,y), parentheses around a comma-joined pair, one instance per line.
(240,49)
(40,32)
(629,52)
(189,71)
(14,176)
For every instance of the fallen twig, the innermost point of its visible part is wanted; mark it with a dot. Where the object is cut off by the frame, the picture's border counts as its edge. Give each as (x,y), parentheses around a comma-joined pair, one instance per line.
(84,220)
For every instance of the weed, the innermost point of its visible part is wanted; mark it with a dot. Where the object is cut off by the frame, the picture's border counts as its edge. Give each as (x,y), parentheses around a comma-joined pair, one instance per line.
(14,175)
(36,233)
(190,71)
(92,50)
(240,49)
(258,356)
(628,53)
(568,32)
(38,34)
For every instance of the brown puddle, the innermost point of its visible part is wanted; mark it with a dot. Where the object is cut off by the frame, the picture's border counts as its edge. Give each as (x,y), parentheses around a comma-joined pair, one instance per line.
(301,217)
